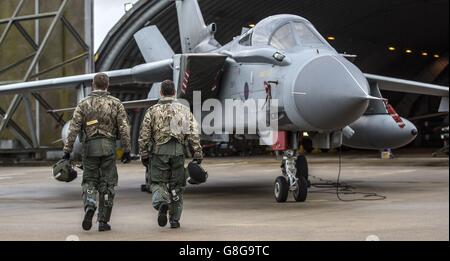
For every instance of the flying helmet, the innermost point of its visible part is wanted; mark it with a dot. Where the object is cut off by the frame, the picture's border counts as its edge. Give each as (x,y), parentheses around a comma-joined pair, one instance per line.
(63,171)
(197,174)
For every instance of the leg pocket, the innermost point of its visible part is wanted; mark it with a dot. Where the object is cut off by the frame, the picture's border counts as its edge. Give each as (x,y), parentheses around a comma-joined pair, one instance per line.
(160,169)
(91,173)
(109,170)
(160,194)
(178,172)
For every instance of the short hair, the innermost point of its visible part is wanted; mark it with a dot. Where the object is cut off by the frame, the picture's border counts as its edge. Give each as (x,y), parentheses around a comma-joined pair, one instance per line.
(167,88)
(101,81)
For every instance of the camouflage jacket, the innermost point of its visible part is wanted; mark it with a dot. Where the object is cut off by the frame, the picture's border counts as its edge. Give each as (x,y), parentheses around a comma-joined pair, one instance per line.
(166,120)
(99,114)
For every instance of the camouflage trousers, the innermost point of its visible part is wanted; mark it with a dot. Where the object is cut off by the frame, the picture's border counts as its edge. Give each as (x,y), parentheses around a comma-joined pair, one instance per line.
(168,182)
(99,177)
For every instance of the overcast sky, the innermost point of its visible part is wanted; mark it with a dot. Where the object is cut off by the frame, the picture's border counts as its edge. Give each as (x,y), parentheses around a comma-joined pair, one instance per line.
(106,14)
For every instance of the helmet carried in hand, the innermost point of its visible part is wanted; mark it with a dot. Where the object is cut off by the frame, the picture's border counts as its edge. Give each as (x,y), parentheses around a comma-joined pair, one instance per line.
(197,174)
(63,171)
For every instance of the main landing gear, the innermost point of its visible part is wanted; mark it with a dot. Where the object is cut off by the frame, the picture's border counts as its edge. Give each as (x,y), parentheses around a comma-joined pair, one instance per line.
(295,178)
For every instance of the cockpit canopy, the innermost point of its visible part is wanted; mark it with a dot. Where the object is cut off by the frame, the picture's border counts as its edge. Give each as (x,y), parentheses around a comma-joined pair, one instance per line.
(284,32)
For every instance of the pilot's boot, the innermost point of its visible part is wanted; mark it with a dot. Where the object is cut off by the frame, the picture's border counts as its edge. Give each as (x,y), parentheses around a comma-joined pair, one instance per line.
(103,226)
(87,221)
(89,201)
(162,214)
(174,223)
(104,211)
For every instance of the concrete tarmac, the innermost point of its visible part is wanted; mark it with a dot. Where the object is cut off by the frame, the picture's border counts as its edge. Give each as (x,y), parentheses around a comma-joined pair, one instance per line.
(237,203)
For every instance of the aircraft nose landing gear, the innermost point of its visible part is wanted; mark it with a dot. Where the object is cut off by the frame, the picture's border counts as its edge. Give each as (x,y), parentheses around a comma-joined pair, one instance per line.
(281,189)
(294,179)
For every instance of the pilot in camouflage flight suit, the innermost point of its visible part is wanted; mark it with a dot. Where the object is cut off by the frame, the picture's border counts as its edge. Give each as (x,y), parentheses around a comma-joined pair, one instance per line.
(167,128)
(99,119)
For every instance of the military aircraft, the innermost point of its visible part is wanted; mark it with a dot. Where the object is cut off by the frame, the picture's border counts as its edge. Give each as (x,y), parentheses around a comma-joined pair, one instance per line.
(284,58)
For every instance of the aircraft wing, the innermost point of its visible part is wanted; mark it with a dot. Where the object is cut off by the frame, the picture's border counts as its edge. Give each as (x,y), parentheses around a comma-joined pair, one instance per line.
(145,73)
(399,85)
(136,104)
(140,104)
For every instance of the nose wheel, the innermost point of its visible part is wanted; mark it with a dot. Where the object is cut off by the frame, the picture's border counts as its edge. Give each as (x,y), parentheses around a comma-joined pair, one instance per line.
(294,179)
(300,193)
(281,189)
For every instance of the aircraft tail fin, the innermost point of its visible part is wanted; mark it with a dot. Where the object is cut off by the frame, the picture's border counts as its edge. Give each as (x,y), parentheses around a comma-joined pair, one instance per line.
(195,35)
(153,45)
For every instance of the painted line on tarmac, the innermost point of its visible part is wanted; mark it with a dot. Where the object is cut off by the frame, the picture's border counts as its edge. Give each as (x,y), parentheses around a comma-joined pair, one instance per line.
(9,175)
(269,170)
(223,164)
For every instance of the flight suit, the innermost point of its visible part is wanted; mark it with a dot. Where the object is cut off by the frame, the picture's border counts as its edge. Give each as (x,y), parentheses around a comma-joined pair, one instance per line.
(147,173)
(169,126)
(100,118)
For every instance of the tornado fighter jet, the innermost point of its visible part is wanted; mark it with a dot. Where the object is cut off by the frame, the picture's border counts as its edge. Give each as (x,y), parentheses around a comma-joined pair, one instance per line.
(319,92)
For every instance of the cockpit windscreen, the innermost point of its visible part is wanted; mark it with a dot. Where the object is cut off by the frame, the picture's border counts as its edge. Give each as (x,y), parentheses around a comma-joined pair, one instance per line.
(294,34)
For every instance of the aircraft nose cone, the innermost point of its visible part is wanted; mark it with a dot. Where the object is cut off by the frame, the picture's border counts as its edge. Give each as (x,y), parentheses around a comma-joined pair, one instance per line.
(330,92)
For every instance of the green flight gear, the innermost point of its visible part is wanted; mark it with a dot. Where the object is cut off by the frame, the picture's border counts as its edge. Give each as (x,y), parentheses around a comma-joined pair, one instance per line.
(146,187)
(99,176)
(148,180)
(168,178)
(63,171)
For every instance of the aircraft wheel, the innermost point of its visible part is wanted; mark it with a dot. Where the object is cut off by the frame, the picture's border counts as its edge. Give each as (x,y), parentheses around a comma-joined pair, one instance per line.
(281,189)
(302,168)
(301,193)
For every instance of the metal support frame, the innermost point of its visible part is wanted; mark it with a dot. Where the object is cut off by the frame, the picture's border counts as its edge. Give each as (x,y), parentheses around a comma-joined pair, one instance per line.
(34,72)
(37,106)
(29,114)
(17,132)
(9,113)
